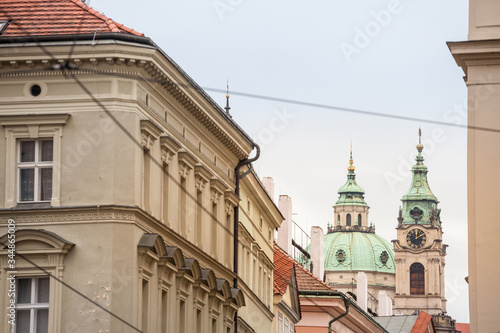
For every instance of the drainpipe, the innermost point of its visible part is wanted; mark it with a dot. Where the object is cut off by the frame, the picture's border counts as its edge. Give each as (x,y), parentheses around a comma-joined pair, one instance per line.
(330,293)
(236,219)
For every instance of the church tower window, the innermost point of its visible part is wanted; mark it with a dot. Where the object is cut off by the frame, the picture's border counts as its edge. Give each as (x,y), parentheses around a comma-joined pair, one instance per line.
(348,219)
(359,219)
(417,279)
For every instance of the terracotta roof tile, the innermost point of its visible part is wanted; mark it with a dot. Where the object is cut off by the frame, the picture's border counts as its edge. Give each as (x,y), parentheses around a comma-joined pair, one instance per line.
(422,323)
(464,328)
(283,269)
(56,17)
(308,281)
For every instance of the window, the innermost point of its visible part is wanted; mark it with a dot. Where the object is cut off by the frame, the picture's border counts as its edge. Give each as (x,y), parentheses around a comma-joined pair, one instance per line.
(165,188)
(146,180)
(359,219)
(215,221)
(280,322)
(199,217)
(145,305)
(287,326)
(3,26)
(35,293)
(35,128)
(164,310)
(32,305)
(348,219)
(35,160)
(417,279)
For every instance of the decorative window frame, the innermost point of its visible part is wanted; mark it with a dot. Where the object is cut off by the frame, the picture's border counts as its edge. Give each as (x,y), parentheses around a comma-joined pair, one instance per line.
(32,127)
(48,250)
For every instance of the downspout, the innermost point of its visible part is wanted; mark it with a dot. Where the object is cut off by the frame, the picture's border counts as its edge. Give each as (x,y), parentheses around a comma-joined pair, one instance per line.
(330,293)
(346,303)
(236,219)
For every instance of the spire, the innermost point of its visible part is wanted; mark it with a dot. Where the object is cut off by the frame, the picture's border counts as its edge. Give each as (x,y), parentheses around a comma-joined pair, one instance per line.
(227,108)
(351,193)
(351,166)
(419,201)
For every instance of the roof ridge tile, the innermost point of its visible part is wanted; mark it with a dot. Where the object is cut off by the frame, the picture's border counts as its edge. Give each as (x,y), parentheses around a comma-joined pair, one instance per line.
(57,17)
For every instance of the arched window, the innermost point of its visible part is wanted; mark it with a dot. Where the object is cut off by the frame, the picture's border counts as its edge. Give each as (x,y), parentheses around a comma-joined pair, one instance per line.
(359,219)
(338,218)
(417,279)
(348,219)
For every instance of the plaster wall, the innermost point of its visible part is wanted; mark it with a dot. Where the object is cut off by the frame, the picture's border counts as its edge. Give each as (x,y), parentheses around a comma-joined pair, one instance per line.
(483,190)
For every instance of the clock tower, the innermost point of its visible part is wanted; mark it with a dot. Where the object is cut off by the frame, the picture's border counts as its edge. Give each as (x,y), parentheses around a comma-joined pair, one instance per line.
(419,249)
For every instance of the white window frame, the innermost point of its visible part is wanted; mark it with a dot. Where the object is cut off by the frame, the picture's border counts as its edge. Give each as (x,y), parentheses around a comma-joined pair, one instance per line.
(36,165)
(48,250)
(33,127)
(33,305)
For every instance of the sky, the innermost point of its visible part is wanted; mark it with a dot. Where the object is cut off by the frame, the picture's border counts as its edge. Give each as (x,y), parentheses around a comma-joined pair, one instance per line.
(387,57)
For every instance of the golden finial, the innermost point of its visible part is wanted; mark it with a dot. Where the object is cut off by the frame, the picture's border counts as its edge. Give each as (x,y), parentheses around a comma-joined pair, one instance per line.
(420,146)
(351,162)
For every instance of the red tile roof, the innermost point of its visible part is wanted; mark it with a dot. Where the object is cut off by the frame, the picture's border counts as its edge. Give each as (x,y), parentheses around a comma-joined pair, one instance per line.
(56,17)
(308,281)
(283,269)
(464,328)
(422,323)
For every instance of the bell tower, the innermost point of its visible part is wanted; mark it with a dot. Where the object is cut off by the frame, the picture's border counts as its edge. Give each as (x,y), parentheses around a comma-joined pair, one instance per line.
(419,249)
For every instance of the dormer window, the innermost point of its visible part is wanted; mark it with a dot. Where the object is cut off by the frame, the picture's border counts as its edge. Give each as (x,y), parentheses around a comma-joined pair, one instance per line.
(3,26)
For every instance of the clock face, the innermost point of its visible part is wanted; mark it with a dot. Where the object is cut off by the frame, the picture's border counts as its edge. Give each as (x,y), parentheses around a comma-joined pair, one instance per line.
(416,238)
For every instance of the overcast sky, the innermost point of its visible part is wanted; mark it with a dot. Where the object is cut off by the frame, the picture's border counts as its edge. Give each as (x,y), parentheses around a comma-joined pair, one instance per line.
(381,56)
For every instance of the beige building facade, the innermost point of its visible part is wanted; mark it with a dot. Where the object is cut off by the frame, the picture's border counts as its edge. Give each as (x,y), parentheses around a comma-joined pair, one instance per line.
(118,178)
(479,58)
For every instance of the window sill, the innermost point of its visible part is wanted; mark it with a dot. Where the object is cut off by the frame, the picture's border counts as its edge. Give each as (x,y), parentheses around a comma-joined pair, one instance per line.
(31,205)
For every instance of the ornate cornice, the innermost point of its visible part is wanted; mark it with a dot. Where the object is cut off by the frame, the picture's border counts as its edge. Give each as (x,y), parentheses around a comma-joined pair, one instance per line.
(357,228)
(41,64)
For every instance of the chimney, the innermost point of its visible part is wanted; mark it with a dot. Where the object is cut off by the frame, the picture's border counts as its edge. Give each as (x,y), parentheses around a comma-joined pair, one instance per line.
(285,231)
(362,290)
(317,251)
(268,183)
(384,304)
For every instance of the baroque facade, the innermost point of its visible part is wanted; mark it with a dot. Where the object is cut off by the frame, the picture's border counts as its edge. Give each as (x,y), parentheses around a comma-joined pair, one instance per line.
(122,180)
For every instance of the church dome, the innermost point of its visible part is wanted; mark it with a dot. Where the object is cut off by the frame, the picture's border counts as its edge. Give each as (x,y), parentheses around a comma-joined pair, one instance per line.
(358,251)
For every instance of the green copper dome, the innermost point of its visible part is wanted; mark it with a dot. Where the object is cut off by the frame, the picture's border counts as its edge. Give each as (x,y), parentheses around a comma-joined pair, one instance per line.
(351,193)
(358,251)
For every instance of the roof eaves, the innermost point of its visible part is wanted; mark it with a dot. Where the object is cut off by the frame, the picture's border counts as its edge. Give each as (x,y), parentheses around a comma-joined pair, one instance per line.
(112,25)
